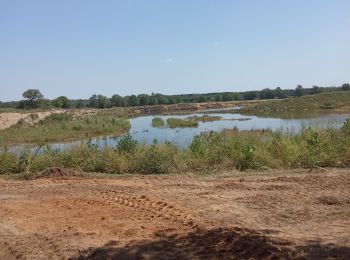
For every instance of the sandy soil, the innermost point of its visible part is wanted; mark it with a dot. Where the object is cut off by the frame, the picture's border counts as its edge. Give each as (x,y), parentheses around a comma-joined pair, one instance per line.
(9,119)
(275,215)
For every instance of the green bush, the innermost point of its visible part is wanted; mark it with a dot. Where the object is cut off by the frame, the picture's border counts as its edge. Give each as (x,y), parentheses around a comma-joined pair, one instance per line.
(8,162)
(127,144)
(346,127)
(311,148)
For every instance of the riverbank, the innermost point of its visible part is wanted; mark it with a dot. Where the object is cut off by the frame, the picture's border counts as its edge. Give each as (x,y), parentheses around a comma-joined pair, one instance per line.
(330,102)
(62,126)
(230,149)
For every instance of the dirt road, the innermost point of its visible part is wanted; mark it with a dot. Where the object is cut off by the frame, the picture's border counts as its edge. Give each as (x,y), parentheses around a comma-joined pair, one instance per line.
(275,215)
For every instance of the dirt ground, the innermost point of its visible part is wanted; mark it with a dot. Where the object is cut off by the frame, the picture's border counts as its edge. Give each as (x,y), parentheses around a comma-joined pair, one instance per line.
(271,215)
(9,119)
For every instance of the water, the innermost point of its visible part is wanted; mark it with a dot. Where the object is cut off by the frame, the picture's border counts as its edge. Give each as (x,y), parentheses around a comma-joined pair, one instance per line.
(142,130)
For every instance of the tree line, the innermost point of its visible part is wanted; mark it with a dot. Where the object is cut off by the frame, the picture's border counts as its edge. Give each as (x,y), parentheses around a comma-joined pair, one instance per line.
(33,98)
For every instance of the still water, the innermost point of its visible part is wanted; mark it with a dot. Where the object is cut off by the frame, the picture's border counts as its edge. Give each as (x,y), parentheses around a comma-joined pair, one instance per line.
(142,130)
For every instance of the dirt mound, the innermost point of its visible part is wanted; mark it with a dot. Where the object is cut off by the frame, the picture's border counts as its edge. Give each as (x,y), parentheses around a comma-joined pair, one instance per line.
(56,173)
(218,243)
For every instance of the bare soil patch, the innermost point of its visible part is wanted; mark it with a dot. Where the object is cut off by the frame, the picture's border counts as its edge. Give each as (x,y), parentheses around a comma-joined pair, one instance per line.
(9,119)
(274,215)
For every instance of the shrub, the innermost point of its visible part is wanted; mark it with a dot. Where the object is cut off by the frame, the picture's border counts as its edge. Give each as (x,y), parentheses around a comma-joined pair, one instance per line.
(346,127)
(8,162)
(126,144)
(155,159)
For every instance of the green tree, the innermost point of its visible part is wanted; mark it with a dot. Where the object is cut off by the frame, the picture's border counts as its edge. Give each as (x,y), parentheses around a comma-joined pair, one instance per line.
(315,90)
(143,99)
(116,101)
(61,102)
(299,91)
(266,94)
(99,101)
(345,86)
(279,93)
(218,97)
(33,97)
(133,101)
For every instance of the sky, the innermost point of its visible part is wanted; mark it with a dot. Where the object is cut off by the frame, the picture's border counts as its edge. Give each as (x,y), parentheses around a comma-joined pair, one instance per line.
(77,48)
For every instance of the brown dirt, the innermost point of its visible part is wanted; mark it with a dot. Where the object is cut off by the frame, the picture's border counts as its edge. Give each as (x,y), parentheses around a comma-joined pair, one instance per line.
(273,215)
(9,119)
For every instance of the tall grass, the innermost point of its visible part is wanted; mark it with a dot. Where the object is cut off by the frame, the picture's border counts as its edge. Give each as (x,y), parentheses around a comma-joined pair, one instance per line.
(311,148)
(158,122)
(177,122)
(60,127)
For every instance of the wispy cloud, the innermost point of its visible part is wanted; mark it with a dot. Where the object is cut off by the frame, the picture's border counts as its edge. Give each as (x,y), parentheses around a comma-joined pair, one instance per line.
(216,43)
(168,60)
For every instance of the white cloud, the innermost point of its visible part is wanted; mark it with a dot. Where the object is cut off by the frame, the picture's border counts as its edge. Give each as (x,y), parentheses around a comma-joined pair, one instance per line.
(216,43)
(168,60)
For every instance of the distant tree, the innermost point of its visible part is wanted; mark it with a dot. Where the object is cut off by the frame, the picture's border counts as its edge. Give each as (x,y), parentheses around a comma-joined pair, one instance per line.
(218,97)
(99,101)
(226,97)
(299,91)
(266,94)
(33,97)
(61,102)
(143,99)
(116,101)
(133,101)
(250,95)
(237,96)
(315,90)
(279,93)
(202,99)
(80,103)
(345,86)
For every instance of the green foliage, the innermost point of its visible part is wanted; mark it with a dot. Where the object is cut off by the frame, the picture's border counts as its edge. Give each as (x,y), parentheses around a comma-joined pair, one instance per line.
(327,100)
(155,159)
(311,148)
(61,102)
(126,144)
(58,127)
(216,149)
(33,97)
(8,162)
(346,127)
(177,122)
(158,122)
(299,91)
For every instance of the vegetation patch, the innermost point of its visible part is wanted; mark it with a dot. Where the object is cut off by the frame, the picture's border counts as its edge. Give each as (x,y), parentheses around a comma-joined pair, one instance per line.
(230,149)
(177,122)
(204,118)
(60,127)
(328,101)
(158,122)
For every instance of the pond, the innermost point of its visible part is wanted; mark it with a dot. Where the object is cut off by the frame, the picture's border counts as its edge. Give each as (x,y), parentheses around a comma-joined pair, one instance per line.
(142,130)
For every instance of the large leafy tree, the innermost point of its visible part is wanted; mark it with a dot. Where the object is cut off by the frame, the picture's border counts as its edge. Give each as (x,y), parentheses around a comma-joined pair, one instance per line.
(62,102)
(33,97)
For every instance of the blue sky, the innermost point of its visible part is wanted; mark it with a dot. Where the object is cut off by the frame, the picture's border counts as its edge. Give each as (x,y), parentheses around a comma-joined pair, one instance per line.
(79,48)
